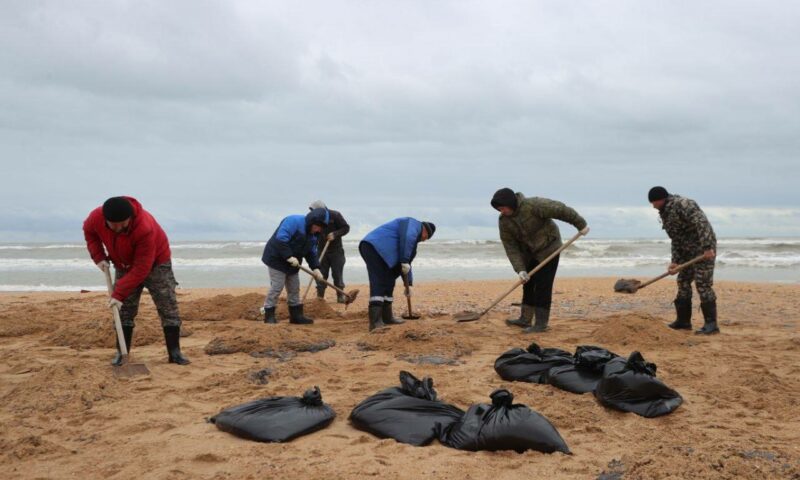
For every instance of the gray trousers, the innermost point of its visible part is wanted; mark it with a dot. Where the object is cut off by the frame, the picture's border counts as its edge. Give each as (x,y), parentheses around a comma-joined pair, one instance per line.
(161,285)
(277,280)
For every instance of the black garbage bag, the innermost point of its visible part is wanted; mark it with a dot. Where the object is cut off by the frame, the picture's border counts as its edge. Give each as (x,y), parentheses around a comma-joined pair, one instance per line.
(582,376)
(276,419)
(409,413)
(530,365)
(503,426)
(631,386)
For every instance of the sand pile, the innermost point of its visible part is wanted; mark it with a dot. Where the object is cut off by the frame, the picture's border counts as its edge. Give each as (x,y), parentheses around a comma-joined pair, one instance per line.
(417,339)
(16,326)
(636,330)
(246,307)
(99,333)
(270,340)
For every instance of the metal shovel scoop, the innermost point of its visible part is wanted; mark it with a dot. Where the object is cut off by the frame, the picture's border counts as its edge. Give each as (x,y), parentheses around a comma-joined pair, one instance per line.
(350,296)
(125,369)
(630,285)
(472,316)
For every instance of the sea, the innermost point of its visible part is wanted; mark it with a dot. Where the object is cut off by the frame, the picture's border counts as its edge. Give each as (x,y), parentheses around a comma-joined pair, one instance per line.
(67,267)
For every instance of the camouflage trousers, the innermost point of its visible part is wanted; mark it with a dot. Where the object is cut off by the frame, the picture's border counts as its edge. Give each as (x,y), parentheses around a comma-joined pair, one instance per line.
(702,273)
(161,285)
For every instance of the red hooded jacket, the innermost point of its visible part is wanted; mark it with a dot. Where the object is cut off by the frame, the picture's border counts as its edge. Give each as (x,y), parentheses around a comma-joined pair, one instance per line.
(136,251)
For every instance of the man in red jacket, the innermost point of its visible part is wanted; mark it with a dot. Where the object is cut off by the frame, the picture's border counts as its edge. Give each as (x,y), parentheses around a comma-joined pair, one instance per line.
(126,234)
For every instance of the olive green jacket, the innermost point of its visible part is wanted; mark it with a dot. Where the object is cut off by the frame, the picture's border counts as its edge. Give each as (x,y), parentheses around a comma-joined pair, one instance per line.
(530,233)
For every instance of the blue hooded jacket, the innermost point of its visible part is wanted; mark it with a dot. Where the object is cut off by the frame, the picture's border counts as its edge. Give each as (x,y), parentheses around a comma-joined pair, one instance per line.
(396,241)
(292,238)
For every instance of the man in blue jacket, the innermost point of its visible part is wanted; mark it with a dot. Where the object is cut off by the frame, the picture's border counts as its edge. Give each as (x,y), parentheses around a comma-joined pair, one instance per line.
(295,239)
(388,252)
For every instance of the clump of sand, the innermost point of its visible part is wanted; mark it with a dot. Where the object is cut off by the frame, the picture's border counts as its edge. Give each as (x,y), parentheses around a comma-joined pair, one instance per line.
(246,307)
(97,333)
(413,339)
(265,339)
(637,330)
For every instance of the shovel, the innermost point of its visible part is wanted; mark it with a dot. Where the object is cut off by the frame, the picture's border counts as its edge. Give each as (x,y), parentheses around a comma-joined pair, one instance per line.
(629,285)
(410,315)
(311,281)
(125,369)
(472,316)
(350,297)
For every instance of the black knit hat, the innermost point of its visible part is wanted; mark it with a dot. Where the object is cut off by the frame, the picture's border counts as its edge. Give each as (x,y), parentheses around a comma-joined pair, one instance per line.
(657,193)
(429,227)
(505,197)
(117,209)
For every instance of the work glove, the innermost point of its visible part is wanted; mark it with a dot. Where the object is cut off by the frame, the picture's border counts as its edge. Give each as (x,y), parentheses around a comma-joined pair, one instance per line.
(103,265)
(673,268)
(331,237)
(113,302)
(523,275)
(317,274)
(406,267)
(585,230)
(293,261)
(409,291)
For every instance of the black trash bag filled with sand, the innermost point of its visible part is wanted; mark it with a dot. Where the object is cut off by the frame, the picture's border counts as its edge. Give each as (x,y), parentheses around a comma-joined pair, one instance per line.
(530,365)
(502,425)
(582,376)
(276,419)
(409,413)
(631,386)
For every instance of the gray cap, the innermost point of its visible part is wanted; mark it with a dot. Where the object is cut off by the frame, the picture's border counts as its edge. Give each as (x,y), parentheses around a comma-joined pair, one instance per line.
(317,204)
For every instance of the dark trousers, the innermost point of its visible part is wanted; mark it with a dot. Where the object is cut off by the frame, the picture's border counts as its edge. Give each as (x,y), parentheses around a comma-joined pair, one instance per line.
(333,263)
(161,284)
(538,292)
(381,277)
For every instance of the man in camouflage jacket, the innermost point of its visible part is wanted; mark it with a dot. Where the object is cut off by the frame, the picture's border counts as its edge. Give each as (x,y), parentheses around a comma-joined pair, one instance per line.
(529,235)
(691,235)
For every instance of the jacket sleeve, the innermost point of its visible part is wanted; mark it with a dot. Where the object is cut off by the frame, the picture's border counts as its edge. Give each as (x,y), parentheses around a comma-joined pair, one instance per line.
(342,228)
(144,255)
(313,254)
(408,233)
(512,247)
(283,236)
(698,220)
(546,208)
(93,242)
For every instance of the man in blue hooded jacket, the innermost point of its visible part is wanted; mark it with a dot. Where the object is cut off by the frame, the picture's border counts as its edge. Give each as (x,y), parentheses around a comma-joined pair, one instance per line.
(294,239)
(388,252)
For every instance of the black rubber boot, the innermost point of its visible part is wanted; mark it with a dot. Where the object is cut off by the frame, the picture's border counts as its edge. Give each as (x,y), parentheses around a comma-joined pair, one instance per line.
(683,310)
(375,315)
(127,332)
(172,336)
(321,293)
(542,316)
(269,315)
(388,317)
(710,316)
(525,316)
(296,316)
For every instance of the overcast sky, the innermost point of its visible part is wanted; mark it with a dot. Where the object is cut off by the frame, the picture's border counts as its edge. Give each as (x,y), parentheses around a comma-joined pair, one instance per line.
(222,117)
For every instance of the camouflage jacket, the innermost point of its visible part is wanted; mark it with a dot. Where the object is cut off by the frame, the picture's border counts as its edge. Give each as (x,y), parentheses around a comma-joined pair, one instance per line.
(530,233)
(687,227)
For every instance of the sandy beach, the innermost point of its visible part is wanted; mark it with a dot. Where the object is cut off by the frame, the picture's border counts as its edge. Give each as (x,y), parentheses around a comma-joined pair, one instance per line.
(64,415)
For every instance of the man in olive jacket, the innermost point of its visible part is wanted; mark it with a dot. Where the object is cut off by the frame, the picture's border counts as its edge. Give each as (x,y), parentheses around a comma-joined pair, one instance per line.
(529,235)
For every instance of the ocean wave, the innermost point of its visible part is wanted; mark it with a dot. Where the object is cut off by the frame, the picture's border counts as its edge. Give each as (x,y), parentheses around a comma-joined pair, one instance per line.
(50,288)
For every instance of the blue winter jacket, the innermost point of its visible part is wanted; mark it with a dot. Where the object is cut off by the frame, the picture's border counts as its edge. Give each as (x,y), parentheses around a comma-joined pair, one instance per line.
(396,241)
(292,239)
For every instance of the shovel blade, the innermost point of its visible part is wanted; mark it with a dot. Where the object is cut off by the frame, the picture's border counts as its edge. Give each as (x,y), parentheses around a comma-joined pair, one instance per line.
(627,285)
(350,297)
(411,316)
(128,370)
(467,316)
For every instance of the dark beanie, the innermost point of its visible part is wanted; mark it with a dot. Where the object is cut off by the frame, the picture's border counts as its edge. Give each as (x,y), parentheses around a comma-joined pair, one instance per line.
(505,197)
(117,209)
(429,227)
(657,193)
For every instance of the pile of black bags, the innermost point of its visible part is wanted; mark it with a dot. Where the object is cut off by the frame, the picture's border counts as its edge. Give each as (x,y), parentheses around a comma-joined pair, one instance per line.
(628,385)
(276,419)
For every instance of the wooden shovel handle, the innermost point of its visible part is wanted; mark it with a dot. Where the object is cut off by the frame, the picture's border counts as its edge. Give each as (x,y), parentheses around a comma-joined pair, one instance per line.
(408,299)
(324,281)
(536,269)
(678,269)
(123,348)
(311,281)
